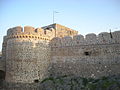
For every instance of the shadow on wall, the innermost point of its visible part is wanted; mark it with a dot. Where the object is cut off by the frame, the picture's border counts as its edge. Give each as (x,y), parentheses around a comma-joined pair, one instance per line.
(2,77)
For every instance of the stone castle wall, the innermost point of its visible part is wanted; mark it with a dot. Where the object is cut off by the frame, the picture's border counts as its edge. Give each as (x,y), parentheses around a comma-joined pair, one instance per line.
(27,55)
(92,56)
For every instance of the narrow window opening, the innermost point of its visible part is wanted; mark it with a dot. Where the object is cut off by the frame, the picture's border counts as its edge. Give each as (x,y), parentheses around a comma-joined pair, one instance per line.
(36,80)
(36,30)
(77,42)
(48,28)
(45,32)
(87,53)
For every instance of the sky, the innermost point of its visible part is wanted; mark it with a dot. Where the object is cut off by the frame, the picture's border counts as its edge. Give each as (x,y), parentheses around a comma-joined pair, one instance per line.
(85,16)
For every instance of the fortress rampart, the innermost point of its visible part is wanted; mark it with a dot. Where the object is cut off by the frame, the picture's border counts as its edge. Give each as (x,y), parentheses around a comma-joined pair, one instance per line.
(89,56)
(29,55)
(89,39)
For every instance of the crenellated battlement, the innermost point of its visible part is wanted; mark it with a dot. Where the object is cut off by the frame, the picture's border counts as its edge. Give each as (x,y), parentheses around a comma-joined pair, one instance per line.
(21,30)
(29,32)
(89,39)
(15,30)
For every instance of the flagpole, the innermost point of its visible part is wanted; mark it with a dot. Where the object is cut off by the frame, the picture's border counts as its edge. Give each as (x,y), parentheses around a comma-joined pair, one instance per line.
(54,20)
(54,12)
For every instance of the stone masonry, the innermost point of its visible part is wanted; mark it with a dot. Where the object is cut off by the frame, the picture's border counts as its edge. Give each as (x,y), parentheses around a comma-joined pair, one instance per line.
(31,54)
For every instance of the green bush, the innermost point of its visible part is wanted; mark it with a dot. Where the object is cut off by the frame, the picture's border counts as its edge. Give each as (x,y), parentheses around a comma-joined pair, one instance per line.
(79,83)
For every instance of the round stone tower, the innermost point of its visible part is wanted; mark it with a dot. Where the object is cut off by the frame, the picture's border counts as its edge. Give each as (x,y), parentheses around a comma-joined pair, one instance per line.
(27,55)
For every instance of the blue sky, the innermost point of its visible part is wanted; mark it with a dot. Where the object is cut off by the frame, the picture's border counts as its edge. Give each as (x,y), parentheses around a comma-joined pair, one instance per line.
(85,16)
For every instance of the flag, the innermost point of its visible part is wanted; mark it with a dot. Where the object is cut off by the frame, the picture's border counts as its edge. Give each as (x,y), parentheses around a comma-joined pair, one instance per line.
(111,34)
(56,12)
